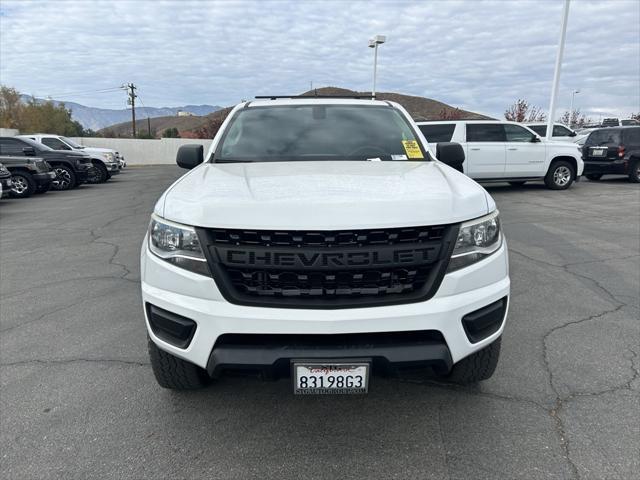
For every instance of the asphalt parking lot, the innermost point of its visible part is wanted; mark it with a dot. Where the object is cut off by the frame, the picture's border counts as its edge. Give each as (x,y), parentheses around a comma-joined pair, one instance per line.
(78,399)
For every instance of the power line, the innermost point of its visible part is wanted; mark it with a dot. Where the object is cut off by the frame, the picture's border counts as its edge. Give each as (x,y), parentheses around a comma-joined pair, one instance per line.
(147,112)
(102,90)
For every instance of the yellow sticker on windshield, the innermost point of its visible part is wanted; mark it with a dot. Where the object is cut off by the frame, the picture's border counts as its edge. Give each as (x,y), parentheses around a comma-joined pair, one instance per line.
(412,148)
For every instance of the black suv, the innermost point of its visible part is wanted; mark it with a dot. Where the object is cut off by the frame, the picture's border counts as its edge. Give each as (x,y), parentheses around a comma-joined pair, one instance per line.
(29,175)
(613,150)
(71,168)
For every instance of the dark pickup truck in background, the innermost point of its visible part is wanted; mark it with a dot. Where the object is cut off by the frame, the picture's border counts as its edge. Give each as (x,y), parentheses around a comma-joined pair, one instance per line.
(29,175)
(612,151)
(70,168)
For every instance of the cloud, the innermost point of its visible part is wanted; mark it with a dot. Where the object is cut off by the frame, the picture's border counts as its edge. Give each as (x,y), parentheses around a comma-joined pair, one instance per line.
(477,55)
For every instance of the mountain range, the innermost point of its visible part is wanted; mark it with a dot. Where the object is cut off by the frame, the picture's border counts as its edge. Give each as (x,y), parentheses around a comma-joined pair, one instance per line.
(97,118)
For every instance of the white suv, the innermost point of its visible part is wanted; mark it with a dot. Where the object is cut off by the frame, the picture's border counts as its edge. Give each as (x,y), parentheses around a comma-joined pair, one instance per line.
(507,151)
(106,162)
(560,132)
(319,238)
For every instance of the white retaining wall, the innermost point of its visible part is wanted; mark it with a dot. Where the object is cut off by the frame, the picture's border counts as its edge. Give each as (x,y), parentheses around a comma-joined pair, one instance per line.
(142,151)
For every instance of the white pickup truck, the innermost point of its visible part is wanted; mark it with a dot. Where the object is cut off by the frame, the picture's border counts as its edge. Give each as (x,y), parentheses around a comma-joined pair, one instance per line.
(498,151)
(319,239)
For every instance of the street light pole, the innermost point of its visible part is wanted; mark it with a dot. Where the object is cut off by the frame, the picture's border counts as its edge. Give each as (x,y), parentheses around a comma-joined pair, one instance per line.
(373,43)
(573,96)
(556,73)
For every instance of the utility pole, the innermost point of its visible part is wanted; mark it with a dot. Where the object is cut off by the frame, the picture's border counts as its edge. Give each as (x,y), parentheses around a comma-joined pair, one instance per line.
(131,92)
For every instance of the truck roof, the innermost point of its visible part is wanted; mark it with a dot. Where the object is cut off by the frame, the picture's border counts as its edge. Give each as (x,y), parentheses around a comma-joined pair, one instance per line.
(273,101)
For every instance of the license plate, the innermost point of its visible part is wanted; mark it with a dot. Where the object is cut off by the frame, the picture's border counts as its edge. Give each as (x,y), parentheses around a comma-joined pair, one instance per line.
(598,152)
(326,378)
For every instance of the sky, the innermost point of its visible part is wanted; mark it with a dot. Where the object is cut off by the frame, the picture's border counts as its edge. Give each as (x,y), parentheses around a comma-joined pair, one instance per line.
(476,55)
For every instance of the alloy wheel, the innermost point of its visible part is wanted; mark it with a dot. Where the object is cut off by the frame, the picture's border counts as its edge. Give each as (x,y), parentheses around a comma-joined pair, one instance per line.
(62,180)
(19,185)
(562,176)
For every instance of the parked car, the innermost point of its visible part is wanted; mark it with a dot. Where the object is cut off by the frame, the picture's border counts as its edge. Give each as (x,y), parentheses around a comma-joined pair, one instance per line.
(560,131)
(71,168)
(610,122)
(104,160)
(629,122)
(319,238)
(613,150)
(497,151)
(5,180)
(29,175)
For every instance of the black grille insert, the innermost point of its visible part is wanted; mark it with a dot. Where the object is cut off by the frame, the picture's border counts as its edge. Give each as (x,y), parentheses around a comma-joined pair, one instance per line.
(329,269)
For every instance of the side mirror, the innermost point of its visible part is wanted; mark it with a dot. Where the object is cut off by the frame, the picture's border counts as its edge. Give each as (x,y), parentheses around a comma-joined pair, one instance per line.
(451,153)
(190,156)
(573,134)
(29,151)
(535,139)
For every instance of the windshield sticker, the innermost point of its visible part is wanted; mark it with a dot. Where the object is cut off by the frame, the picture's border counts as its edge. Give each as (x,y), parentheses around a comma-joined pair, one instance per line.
(412,148)
(398,157)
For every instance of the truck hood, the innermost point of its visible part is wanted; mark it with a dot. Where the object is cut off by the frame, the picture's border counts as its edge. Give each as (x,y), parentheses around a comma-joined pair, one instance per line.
(323,195)
(98,150)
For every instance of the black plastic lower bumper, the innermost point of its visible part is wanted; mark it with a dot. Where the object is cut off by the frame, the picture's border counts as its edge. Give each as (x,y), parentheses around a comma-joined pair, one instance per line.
(388,351)
(42,179)
(616,167)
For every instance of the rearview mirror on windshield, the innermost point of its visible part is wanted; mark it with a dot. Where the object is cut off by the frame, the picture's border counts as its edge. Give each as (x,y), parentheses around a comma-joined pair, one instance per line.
(451,153)
(190,156)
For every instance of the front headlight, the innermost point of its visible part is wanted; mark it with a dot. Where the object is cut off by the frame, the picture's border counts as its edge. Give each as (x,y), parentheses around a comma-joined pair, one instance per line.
(109,157)
(477,240)
(177,244)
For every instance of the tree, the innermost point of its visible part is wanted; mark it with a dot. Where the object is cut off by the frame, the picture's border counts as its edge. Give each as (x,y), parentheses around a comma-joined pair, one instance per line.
(171,133)
(574,119)
(11,108)
(522,111)
(36,115)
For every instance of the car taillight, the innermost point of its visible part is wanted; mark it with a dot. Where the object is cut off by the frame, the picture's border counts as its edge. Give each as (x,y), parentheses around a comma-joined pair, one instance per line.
(621,151)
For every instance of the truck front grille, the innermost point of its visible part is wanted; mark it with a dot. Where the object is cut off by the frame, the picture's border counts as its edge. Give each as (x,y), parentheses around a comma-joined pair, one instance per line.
(329,269)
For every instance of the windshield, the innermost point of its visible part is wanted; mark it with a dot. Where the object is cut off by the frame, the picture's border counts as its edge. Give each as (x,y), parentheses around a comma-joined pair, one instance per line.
(318,132)
(71,143)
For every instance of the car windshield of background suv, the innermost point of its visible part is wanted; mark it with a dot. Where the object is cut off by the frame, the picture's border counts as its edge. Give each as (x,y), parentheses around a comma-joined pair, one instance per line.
(318,132)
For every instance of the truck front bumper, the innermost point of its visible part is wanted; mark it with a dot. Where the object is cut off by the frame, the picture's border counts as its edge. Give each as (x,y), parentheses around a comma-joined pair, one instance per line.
(439,321)
(42,179)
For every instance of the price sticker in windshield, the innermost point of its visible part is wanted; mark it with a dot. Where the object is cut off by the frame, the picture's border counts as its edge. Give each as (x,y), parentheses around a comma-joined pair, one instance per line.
(412,148)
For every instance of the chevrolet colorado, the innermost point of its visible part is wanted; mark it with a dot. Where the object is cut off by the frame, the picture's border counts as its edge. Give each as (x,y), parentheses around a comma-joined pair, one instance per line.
(320,239)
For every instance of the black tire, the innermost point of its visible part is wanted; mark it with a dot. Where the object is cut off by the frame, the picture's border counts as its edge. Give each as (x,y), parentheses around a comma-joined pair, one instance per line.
(519,183)
(634,171)
(99,173)
(23,185)
(560,176)
(174,373)
(43,188)
(477,366)
(594,177)
(65,178)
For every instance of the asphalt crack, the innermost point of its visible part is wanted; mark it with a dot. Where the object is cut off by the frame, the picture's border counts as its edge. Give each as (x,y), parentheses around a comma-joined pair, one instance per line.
(73,360)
